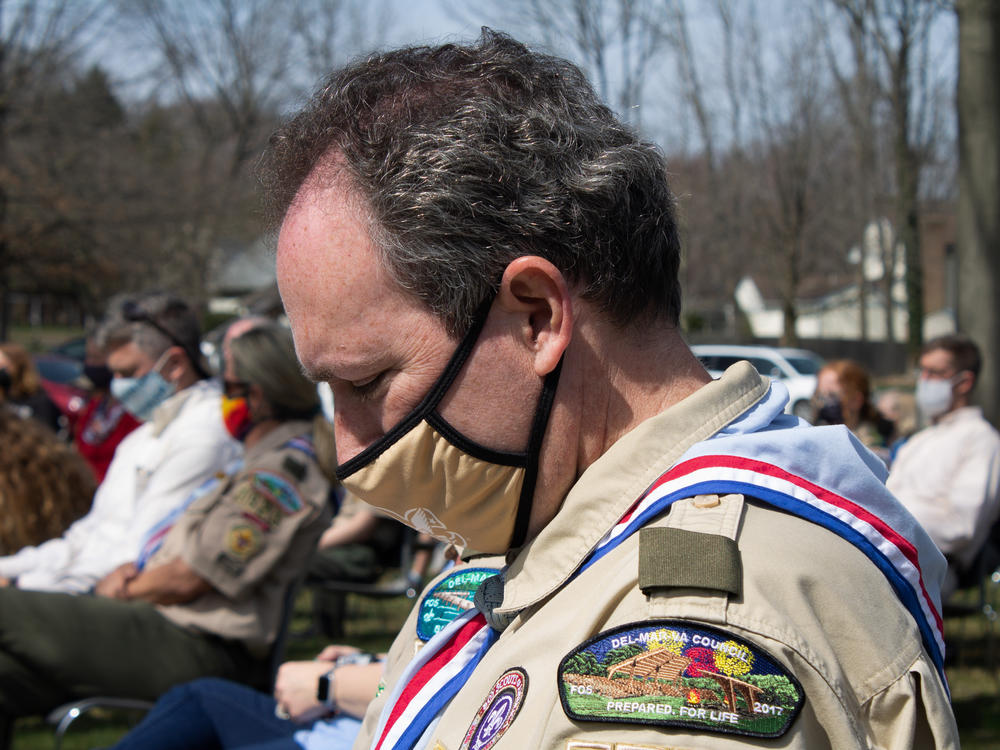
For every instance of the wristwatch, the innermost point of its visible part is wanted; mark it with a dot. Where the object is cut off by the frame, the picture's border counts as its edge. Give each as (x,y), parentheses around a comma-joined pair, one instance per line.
(324,690)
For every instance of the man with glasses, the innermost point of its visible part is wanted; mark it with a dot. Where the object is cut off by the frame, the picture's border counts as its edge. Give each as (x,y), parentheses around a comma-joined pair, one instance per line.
(159,376)
(948,474)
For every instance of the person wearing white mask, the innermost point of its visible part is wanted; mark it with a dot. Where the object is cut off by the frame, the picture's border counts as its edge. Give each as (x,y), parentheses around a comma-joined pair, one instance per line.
(159,376)
(948,474)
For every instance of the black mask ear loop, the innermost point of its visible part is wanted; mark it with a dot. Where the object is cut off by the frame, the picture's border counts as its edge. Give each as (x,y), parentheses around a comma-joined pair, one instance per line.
(541,421)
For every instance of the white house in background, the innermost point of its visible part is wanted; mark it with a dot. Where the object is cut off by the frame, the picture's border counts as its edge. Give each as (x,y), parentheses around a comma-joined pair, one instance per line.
(238,270)
(836,315)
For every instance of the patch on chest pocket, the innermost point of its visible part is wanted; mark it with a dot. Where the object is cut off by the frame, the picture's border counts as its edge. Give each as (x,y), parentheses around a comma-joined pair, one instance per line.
(498,710)
(679,674)
(452,596)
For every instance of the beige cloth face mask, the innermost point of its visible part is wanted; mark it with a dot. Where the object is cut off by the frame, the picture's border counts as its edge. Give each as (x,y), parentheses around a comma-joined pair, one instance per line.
(428,475)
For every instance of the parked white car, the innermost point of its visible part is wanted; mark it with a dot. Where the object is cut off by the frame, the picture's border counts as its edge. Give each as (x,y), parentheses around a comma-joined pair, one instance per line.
(796,368)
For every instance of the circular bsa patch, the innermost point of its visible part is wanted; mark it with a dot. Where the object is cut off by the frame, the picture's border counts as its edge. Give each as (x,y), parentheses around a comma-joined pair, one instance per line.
(243,541)
(498,711)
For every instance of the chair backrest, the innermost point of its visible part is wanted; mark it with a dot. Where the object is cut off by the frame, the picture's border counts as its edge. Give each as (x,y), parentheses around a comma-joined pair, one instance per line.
(987,559)
(277,653)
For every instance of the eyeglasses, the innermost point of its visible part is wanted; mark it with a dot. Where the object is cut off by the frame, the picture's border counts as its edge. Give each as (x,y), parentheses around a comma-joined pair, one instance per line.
(235,388)
(132,313)
(927,373)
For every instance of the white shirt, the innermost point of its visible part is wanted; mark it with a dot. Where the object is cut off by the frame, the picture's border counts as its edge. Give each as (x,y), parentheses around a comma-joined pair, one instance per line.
(948,476)
(153,470)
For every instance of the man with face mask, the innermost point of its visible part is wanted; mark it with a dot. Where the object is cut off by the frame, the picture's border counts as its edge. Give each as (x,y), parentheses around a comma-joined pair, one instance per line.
(482,262)
(152,345)
(102,422)
(948,474)
(205,593)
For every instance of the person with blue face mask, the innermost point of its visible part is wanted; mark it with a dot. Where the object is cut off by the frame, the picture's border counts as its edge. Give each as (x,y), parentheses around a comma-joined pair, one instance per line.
(948,474)
(102,422)
(152,344)
(205,594)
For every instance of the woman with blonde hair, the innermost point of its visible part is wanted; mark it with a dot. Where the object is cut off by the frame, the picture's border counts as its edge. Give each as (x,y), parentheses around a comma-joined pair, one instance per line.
(843,396)
(21,388)
(44,484)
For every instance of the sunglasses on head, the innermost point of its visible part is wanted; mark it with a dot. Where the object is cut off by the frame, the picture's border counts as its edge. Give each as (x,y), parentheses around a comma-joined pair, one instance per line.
(132,313)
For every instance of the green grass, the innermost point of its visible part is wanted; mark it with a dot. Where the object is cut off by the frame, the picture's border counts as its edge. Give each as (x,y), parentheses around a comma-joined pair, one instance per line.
(973,673)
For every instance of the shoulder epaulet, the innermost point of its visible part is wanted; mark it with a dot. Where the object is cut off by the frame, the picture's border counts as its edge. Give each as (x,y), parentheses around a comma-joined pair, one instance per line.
(678,558)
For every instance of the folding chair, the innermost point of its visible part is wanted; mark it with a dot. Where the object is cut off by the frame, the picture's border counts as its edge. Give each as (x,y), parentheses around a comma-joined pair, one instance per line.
(400,583)
(978,600)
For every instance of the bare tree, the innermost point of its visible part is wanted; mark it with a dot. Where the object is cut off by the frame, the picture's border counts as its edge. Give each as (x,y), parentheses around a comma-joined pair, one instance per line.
(979,188)
(859,94)
(224,69)
(899,33)
(38,40)
(617,42)
(798,147)
(330,30)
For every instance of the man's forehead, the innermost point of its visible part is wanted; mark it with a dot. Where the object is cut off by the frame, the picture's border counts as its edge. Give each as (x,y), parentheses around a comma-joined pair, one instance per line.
(938,358)
(127,355)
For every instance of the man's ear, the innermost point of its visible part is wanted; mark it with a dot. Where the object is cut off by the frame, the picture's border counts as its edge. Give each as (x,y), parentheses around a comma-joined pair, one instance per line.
(173,368)
(536,293)
(964,386)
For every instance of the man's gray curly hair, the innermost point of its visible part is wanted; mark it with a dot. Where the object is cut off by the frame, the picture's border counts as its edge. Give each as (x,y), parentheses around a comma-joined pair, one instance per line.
(471,156)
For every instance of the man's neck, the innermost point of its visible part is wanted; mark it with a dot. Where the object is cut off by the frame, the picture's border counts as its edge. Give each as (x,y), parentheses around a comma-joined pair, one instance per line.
(258,431)
(642,377)
(612,382)
(186,380)
(959,404)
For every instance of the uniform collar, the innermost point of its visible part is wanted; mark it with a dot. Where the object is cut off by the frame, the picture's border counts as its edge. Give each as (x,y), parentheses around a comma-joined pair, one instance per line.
(961,414)
(609,486)
(278,437)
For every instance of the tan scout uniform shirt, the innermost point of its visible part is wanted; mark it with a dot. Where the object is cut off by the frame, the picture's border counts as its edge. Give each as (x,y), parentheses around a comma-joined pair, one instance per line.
(250,538)
(810,599)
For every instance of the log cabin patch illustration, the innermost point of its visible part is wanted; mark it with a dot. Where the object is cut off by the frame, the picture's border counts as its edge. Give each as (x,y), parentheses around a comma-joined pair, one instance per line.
(678,673)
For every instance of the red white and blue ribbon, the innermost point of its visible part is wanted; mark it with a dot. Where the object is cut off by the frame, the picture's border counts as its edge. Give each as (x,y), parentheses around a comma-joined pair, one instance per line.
(896,556)
(431,680)
(823,475)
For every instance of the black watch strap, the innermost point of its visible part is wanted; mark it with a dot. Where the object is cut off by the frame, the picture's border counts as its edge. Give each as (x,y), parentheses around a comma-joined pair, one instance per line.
(324,691)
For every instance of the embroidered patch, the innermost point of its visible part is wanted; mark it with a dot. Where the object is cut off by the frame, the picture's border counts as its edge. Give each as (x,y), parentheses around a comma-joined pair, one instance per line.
(498,711)
(256,506)
(451,597)
(242,541)
(278,490)
(681,674)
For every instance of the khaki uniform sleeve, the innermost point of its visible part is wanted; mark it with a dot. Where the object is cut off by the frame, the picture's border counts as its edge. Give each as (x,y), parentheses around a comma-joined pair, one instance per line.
(913,712)
(249,527)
